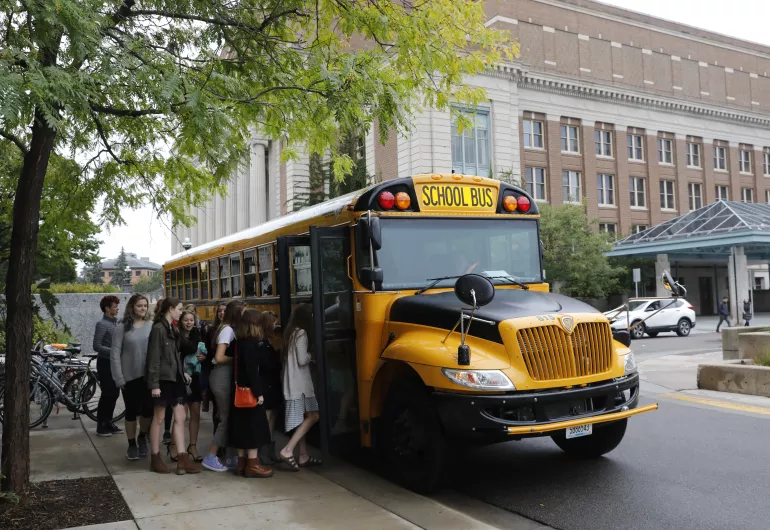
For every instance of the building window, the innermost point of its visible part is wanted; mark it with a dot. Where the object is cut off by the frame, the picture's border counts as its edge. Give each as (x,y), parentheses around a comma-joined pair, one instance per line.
(470,149)
(747,195)
(723,193)
(111,273)
(635,147)
(638,192)
(667,195)
(665,155)
(606,188)
(766,164)
(603,140)
(758,285)
(535,182)
(635,229)
(720,158)
(137,273)
(693,154)
(608,228)
(533,134)
(744,161)
(571,186)
(569,139)
(695,192)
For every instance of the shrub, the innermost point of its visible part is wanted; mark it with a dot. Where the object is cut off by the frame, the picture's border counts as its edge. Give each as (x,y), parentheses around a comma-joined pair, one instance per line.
(69,288)
(763,360)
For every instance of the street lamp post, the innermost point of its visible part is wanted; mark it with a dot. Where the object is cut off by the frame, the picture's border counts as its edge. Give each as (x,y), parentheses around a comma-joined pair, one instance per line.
(187,244)
(127,280)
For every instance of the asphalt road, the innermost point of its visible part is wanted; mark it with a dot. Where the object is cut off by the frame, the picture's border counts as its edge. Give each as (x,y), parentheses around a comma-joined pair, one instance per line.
(671,344)
(684,466)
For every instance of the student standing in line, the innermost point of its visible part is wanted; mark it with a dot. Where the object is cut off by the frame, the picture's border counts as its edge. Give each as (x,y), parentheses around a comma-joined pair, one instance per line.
(167,381)
(191,357)
(105,330)
(248,429)
(301,405)
(221,384)
(128,359)
(272,386)
(747,311)
(211,347)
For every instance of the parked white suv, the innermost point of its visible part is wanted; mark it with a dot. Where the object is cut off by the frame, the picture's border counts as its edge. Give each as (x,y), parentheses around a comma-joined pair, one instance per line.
(677,316)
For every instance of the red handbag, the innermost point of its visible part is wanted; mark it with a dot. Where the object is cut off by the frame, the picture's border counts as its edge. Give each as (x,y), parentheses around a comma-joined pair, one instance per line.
(244,398)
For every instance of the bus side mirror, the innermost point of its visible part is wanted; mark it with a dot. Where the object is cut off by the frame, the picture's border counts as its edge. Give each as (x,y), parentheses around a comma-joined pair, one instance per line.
(474,290)
(371,231)
(371,275)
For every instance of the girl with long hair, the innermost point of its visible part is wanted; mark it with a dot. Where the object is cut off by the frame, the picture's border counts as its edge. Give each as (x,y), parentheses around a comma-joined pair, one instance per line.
(128,358)
(301,406)
(166,380)
(210,339)
(221,383)
(248,427)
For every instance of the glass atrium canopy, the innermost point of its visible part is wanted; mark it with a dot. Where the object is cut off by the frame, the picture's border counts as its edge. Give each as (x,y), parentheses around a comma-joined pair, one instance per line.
(708,232)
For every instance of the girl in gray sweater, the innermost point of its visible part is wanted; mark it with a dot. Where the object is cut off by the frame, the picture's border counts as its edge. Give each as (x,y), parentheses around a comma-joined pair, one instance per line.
(127,360)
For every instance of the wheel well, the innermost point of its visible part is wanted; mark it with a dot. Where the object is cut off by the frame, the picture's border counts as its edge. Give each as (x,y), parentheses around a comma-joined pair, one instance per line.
(687,319)
(389,373)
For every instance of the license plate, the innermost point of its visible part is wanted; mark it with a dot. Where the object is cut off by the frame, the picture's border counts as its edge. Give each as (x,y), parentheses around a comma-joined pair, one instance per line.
(580,430)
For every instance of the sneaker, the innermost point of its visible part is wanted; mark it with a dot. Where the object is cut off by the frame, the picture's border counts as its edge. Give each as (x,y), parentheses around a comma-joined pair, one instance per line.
(114,429)
(167,437)
(212,463)
(231,462)
(133,452)
(141,442)
(103,430)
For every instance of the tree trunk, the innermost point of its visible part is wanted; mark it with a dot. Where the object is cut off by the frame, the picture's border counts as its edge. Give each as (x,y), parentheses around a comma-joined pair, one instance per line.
(18,292)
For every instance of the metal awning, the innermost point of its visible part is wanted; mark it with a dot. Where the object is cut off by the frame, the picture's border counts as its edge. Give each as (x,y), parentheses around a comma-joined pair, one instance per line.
(708,233)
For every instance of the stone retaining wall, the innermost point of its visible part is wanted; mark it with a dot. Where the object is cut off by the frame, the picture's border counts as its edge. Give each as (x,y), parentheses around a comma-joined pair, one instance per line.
(733,376)
(731,341)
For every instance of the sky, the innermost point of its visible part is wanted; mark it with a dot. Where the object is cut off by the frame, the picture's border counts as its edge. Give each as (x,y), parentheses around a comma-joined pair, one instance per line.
(744,19)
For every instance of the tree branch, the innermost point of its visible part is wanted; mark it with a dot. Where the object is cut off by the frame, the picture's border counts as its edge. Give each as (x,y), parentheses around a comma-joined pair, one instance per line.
(124,113)
(227,22)
(15,140)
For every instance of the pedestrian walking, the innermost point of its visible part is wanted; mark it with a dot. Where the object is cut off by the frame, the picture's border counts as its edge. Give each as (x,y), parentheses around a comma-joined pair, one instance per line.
(128,359)
(301,406)
(103,335)
(724,313)
(248,429)
(166,379)
(747,311)
(221,385)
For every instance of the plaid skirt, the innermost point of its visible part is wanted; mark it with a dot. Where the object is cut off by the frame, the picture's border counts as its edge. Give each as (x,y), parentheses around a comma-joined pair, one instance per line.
(296,409)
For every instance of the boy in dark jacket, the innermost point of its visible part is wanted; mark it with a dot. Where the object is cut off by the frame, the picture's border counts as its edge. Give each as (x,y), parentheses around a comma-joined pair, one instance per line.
(724,313)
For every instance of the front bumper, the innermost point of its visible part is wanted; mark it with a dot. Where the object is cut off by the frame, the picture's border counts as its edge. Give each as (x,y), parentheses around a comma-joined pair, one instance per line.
(533,413)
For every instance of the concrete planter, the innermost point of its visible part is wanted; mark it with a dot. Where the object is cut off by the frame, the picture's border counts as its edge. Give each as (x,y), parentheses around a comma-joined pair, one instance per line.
(753,345)
(741,377)
(731,340)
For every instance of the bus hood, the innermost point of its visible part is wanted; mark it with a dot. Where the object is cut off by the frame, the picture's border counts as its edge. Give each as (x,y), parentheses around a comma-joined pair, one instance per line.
(442,310)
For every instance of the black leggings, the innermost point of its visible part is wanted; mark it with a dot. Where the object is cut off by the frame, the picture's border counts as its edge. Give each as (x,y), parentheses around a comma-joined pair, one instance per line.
(137,398)
(110,393)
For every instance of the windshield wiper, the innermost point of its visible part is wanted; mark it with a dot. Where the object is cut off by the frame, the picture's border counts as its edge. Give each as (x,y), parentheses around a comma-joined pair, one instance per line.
(433,283)
(511,279)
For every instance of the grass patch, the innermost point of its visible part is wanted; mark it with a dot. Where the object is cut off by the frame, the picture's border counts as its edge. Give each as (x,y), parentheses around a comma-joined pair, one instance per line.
(762,360)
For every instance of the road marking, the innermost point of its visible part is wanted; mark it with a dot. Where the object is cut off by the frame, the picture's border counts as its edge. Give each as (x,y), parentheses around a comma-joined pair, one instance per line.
(717,403)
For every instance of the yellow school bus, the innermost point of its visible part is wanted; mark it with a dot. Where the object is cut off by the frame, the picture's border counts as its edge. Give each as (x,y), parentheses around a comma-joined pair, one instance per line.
(433,323)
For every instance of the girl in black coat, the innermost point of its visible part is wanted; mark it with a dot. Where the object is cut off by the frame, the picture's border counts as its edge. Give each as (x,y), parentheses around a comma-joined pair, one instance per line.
(248,429)
(272,385)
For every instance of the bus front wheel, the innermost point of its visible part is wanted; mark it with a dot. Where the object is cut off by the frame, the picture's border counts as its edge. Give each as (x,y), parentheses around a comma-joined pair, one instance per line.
(603,440)
(413,442)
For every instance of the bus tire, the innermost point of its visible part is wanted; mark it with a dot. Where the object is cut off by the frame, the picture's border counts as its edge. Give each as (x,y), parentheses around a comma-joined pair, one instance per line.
(603,440)
(412,439)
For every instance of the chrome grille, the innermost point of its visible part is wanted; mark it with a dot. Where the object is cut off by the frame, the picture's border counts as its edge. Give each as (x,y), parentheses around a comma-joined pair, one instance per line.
(551,353)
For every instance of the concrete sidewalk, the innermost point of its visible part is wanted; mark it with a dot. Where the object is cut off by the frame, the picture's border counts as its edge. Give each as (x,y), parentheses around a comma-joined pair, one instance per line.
(336,495)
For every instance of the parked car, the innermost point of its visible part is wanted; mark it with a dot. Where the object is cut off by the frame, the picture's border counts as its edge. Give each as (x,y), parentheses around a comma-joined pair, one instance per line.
(677,315)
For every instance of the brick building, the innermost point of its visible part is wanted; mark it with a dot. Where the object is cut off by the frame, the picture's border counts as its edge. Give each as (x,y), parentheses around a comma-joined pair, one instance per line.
(644,118)
(140,267)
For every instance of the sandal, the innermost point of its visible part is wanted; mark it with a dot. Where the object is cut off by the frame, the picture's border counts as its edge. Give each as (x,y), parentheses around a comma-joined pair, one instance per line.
(168,451)
(195,457)
(289,461)
(310,462)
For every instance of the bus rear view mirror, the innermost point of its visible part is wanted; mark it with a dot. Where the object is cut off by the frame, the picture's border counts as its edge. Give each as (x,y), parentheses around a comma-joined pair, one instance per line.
(474,290)
(371,229)
(676,288)
(622,336)
(371,275)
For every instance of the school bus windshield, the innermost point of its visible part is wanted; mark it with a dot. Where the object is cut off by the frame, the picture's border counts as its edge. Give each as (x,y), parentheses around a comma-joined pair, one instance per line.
(414,250)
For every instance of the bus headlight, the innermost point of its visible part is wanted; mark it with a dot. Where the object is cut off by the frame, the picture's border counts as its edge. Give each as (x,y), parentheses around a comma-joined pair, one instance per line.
(479,379)
(630,364)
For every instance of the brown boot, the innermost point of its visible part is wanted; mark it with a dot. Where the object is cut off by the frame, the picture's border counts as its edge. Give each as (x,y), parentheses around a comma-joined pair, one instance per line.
(157,465)
(255,470)
(185,465)
(240,468)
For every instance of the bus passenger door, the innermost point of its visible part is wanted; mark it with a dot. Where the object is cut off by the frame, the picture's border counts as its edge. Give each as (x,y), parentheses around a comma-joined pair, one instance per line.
(334,339)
